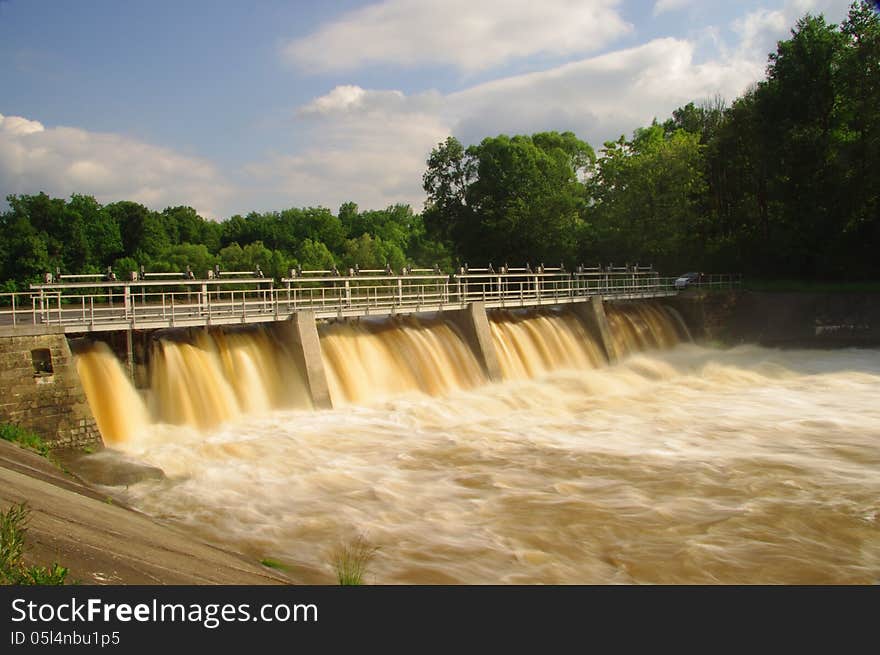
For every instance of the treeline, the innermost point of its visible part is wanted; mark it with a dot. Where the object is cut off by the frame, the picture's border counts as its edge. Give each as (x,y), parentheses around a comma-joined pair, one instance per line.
(79,235)
(782,183)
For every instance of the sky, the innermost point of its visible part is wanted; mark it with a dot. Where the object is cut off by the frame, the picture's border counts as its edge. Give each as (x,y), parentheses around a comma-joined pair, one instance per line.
(232,106)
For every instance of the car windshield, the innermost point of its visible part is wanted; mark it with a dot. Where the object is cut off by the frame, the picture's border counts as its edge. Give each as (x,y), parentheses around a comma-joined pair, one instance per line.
(690,275)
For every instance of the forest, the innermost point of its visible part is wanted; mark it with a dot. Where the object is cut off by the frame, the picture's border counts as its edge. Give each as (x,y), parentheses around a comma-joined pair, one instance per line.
(781,183)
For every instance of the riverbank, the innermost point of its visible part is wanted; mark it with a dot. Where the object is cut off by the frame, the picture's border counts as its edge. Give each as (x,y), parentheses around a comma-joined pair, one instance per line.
(102,542)
(813,319)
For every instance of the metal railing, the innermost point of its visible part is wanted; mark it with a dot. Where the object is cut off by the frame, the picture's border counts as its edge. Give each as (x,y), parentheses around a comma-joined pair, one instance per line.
(144,304)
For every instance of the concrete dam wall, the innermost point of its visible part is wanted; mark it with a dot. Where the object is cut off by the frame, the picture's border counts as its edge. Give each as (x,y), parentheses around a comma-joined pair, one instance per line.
(787,320)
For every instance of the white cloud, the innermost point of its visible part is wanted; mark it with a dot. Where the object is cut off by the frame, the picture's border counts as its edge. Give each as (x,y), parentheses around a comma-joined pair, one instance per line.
(469,35)
(601,97)
(367,146)
(370,146)
(16,125)
(760,30)
(662,6)
(65,160)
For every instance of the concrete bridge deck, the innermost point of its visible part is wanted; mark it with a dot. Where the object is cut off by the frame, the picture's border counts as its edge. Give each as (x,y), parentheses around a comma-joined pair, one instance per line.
(154,304)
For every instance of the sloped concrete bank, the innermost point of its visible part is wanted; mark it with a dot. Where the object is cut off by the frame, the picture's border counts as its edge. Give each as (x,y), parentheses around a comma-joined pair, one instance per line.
(783,319)
(101,542)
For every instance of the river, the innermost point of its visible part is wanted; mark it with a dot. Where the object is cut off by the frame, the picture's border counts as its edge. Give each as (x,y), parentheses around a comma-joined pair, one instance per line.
(683,464)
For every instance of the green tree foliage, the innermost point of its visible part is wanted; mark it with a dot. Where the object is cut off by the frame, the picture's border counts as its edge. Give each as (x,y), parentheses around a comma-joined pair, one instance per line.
(446,181)
(796,197)
(646,199)
(80,235)
(509,198)
(314,255)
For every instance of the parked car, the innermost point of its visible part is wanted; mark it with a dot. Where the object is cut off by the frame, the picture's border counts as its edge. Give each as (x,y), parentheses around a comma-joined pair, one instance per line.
(688,279)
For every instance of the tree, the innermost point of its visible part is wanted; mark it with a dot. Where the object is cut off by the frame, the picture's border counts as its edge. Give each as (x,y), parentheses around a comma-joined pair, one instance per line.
(314,255)
(646,196)
(508,198)
(102,232)
(860,137)
(143,232)
(196,256)
(446,181)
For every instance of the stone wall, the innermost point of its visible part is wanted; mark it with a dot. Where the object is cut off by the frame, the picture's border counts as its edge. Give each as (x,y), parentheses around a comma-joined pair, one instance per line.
(40,387)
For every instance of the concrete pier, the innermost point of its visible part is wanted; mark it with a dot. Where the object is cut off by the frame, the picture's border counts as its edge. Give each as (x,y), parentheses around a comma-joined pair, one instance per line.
(593,314)
(305,335)
(474,325)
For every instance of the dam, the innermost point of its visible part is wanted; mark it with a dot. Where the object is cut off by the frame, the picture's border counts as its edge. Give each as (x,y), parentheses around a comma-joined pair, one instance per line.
(592,441)
(46,392)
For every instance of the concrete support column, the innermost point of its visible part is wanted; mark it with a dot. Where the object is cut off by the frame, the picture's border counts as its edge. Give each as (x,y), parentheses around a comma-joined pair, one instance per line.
(474,325)
(129,353)
(305,335)
(593,314)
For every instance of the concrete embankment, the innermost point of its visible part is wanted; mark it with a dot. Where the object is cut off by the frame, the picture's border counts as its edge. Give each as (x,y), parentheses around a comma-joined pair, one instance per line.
(101,542)
(783,319)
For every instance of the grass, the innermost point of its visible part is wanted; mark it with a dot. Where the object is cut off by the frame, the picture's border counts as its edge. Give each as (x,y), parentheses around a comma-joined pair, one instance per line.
(13,570)
(274,564)
(350,560)
(24,437)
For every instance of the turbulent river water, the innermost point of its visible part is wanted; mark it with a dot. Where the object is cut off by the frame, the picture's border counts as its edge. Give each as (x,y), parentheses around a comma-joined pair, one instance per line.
(678,464)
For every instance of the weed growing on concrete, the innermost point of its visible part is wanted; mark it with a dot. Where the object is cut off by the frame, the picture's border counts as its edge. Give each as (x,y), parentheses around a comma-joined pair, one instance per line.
(23,437)
(350,560)
(274,564)
(13,570)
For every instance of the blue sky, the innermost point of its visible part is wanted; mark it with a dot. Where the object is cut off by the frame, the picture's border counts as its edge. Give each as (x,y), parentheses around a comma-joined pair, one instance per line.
(234,106)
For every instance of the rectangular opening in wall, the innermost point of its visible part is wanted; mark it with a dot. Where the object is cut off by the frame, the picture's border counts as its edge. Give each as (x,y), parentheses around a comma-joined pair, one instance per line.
(42,360)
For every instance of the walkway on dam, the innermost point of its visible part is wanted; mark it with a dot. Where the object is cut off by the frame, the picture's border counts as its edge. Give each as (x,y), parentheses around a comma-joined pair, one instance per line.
(144,304)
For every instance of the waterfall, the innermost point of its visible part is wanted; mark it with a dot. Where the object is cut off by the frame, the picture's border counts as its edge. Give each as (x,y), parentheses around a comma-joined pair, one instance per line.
(118,409)
(532,345)
(204,378)
(365,361)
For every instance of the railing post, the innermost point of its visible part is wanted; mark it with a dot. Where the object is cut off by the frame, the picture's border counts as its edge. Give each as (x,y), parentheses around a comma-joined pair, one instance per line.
(13,310)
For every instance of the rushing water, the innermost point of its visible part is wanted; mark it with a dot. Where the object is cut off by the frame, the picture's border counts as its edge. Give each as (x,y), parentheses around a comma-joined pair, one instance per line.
(676,465)
(369,361)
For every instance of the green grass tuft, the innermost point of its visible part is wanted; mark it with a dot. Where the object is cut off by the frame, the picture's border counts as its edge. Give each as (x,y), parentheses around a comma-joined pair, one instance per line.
(350,560)
(274,564)
(13,570)
(24,437)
